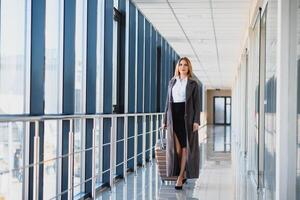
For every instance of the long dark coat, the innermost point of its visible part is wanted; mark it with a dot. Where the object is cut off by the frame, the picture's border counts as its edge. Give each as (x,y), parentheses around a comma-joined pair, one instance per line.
(192,115)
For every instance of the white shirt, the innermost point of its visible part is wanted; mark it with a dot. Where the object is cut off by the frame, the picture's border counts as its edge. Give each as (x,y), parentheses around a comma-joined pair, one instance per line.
(179,90)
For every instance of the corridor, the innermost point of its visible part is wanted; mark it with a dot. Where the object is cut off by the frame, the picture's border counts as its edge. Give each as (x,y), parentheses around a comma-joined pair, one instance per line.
(215,181)
(86,85)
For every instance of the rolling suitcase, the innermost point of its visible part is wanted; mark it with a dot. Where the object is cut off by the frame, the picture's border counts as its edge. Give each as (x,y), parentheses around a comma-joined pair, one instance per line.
(160,155)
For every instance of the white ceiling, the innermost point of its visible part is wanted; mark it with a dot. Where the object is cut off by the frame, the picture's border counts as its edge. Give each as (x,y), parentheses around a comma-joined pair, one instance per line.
(209,32)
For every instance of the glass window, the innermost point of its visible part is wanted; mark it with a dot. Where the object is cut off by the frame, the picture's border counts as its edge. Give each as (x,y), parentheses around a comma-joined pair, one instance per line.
(54,56)
(12,159)
(116,46)
(53,93)
(51,150)
(270,99)
(98,153)
(80,55)
(14,93)
(228,110)
(219,110)
(228,100)
(14,66)
(100,59)
(80,76)
(116,4)
(222,110)
(228,113)
(253,77)
(99,85)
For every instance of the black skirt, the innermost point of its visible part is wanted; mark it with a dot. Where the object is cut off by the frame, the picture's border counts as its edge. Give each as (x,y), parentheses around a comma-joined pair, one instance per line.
(178,112)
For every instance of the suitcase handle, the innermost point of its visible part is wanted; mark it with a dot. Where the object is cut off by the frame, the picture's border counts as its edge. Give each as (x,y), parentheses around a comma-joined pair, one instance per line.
(161,133)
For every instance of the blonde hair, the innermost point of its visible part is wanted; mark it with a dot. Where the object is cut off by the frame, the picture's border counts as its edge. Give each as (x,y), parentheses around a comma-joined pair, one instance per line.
(190,70)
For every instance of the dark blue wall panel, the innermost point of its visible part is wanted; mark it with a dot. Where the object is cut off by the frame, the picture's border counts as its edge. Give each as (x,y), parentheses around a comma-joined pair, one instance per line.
(90,87)
(158,73)
(37,57)
(147,86)
(131,78)
(121,85)
(153,78)
(68,84)
(140,80)
(120,146)
(166,71)
(131,58)
(108,68)
(108,61)
(37,86)
(153,68)
(140,62)
(130,152)
(147,83)
(140,140)
(163,75)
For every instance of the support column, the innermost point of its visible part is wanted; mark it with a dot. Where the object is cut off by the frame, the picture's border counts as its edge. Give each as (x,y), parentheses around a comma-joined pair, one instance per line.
(68,87)
(90,89)
(286,137)
(37,95)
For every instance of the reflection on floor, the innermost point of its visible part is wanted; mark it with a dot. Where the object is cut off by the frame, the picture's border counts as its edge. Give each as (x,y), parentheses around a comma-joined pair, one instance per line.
(219,143)
(215,181)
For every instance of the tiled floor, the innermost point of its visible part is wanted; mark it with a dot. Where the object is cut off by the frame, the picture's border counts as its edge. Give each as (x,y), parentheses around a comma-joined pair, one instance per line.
(215,181)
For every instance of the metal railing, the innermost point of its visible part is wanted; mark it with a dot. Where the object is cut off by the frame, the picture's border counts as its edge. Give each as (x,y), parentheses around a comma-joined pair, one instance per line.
(70,155)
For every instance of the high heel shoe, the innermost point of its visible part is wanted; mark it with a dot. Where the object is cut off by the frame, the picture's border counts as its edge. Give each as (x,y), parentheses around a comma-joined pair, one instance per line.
(184,181)
(180,187)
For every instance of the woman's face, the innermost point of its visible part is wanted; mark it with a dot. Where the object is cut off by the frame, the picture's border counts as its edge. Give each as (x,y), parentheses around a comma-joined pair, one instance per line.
(183,67)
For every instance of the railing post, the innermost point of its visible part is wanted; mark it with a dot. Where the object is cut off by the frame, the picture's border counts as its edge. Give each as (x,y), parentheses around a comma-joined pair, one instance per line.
(135,144)
(151,138)
(94,161)
(71,161)
(125,148)
(101,149)
(113,151)
(144,141)
(36,162)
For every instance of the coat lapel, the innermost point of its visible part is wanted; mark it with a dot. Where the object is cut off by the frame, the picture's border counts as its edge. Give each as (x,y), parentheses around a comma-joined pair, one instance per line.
(189,89)
(170,89)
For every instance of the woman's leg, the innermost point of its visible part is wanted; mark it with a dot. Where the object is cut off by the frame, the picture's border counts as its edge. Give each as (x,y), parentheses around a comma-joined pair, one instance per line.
(178,149)
(182,161)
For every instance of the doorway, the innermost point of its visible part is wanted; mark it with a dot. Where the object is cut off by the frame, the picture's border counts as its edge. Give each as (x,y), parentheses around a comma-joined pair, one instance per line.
(222,110)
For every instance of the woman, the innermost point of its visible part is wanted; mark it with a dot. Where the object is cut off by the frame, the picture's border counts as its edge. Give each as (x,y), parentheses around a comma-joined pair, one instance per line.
(182,119)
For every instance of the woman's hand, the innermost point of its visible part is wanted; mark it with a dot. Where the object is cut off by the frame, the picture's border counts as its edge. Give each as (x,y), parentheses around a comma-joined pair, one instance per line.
(195,127)
(164,126)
